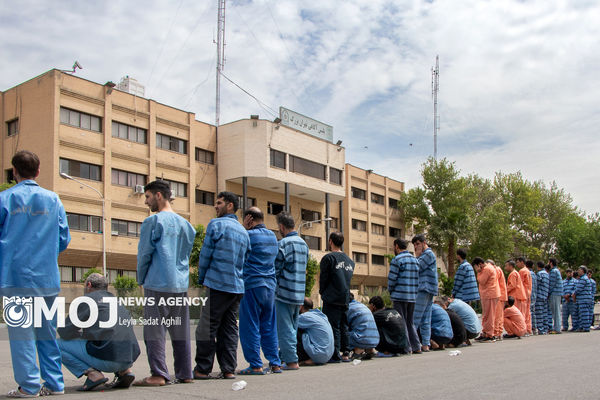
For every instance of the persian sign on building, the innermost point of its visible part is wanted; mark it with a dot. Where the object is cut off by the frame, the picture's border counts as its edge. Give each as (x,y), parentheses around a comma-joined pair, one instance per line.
(305,124)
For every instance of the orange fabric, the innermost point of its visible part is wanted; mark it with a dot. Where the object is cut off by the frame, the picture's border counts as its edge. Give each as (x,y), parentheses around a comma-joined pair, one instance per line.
(514,322)
(501,283)
(526,278)
(514,286)
(499,319)
(488,283)
(528,316)
(523,306)
(488,307)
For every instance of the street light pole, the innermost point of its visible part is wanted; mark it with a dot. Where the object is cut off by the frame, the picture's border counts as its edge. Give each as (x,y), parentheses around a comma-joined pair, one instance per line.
(65,176)
(306,223)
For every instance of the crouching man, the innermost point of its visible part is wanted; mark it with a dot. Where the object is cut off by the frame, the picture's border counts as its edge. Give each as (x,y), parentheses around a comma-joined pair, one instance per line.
(91,351)
(315,336)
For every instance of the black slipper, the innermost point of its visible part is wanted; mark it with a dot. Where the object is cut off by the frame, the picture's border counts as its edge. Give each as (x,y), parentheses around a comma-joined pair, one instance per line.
(90,384)
(122,381)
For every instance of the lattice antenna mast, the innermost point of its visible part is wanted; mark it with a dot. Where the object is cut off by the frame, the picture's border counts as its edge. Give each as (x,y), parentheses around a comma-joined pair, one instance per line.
(435,88)
(220,56)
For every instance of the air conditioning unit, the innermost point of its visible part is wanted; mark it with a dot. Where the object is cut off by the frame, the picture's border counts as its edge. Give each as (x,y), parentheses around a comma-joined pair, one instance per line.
(139,189)
(114,233)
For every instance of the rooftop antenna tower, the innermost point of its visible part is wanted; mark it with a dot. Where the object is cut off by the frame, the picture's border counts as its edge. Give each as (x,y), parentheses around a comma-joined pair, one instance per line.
(435,88)
(220,55)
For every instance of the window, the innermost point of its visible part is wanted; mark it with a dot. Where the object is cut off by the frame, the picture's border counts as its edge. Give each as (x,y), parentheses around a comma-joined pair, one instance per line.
(377,259)
(313,242)
(359,257)
(9,175)
(80,119)
(335,176)
(359,225)
(358,193)
(120,227)
(377,229)
(333,224)
(203,197)
(171,143)
(305,167)
(309,215)
(251,201)
(128,132)
(125,178)
(274,208)
(395,232)
(85,223)
(80,169)
(277,159)
(393,203)
(377,199)
(178,189)
(12,127)
(205,156)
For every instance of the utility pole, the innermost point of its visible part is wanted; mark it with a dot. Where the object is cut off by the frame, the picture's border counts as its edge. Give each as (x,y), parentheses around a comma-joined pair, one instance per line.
(220,56)
(435,88)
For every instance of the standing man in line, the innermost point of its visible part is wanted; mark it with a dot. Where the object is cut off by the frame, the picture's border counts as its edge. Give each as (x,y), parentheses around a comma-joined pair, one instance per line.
(224,252)
(555,295)
(465,283)
(526,279)
(33,230)
(290,271)
(489,291)
(541,302)
(593,291)
(515,287)
(166,240)
(258,326)
(334,286)
(403,284)
(499,323)
(534,288)
(568,305)
(428,287)
(581,297)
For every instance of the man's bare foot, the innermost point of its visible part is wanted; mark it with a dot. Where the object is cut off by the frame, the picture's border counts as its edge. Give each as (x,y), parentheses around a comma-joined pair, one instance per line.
(307,363)
(94,375)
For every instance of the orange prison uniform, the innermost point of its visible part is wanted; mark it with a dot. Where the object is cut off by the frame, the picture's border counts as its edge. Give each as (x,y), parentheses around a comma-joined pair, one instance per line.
(499,316)
(526,278)
(515,288)
(489,292)
(514,322)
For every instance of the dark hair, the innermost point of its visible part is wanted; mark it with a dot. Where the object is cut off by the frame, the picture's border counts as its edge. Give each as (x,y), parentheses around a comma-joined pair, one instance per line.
(419,238)
(26,163)
(590,270)
(377,302)
(547,267)
(575,274)
(584,268)
(511,301)
(568,270)
(401,243)
(337,238)
(511,263)
(462,253)
(229,198)
(286,220)
(255,213)
(522,259)
(477,261)
(308,303)
(351,295)
(529,264)
(553,261)
(159,186)
(540,264)
(443,300)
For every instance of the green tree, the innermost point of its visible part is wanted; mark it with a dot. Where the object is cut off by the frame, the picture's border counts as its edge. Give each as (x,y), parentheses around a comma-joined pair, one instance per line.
(312,269)
(125,285)
(4,186)
(195,254)
(577,241)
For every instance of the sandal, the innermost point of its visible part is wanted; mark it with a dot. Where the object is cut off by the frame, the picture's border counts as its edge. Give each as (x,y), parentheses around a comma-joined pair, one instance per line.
(123,381)
(251,371)
(90,385)
(17,393)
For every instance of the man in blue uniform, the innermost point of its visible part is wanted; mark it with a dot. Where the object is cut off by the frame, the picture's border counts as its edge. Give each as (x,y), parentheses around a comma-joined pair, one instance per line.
(581,296)
(593,292)
(541,302)
(315,336)
(465,283)
(33,230)
(555,293)
(534,287)
(428,287)
(363,335)
(567,302)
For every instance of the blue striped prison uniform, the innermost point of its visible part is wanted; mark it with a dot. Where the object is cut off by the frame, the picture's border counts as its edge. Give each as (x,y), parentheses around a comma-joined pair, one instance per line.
(259,269)
(290,269)
(568,306)
(362,329)
(583,293)
(224,251)
(593,293)
(403,278)
(541,303)
(534,286)
(428,279)
(465,283)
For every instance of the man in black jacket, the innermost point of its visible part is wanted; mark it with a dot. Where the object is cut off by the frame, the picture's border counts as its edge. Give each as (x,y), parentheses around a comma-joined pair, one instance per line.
(393,338)
(334,286)
(88,351)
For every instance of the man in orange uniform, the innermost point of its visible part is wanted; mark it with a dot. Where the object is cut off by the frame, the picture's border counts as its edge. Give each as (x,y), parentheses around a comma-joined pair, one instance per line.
(515,288)
(526,279)
(499,315)
(489,292)
(514,322)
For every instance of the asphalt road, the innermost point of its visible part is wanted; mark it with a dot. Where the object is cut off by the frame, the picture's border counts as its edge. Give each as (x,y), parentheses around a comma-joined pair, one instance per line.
(542,367)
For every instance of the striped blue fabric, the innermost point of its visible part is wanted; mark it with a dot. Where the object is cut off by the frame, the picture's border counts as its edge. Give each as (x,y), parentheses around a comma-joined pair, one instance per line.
(543,287)
(428,279)
(403,278)
(290,269)
(569,286)
(555,285)
(259,269)
(534,285)
(465,283)
(224,251)
(583,290)
(583,304)
(362,329)
(593,290)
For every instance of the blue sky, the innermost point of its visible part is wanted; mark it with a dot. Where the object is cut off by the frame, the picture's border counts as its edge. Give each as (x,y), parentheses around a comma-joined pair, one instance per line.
(518,80)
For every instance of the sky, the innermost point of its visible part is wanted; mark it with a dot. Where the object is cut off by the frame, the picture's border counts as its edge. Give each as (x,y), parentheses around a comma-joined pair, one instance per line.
(519,83)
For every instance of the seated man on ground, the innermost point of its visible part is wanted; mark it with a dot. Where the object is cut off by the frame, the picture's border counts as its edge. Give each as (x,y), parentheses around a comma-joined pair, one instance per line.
(467,315)
(458,327)
(363,336)
(441,328)
(391,327)
(315,336)
(514,321)
(89,351)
